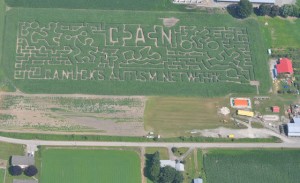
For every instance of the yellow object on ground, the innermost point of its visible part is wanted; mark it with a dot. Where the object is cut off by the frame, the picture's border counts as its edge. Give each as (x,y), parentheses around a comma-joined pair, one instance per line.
(245,113)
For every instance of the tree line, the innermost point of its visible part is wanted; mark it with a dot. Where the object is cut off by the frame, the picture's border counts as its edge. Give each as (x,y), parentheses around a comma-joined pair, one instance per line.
(244,9)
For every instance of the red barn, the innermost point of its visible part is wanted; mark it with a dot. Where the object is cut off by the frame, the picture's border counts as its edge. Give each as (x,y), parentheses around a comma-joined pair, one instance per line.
(276,109)
(284,66)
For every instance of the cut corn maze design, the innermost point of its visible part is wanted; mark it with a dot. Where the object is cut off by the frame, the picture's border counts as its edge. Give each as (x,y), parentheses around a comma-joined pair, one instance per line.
(132,52)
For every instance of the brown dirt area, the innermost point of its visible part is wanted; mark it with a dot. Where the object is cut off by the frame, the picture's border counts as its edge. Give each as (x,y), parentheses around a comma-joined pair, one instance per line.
(107,115)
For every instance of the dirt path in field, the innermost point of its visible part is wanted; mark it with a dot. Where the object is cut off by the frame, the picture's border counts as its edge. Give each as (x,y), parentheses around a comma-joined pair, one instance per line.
(142,157)
(196,161)
(72,113)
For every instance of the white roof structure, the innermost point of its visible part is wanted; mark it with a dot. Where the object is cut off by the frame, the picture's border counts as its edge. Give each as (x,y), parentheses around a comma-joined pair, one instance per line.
(198,180)
(187,1)
(24,181)
(252,1)
(296,119)
(178,166)
(294,129)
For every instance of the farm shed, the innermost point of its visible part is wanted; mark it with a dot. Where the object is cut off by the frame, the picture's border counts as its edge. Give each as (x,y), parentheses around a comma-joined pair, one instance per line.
(177,165)
(296,119)
(24,181)
(245,113)
(294,129)
(276,109)
(198,180)
(22,161)
(284,66)
(252,1)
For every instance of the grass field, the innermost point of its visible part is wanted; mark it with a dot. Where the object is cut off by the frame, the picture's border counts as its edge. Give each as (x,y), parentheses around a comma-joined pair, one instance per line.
(2,173)
(281,33)
(163,152)
(145,5)
(132,53)
(175,116)
(248,166)
(77,166)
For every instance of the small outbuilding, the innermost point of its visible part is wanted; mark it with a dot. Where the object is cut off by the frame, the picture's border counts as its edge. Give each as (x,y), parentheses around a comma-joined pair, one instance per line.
(198,180)
(177,165)
(24,181)
(22,161)
(276,109)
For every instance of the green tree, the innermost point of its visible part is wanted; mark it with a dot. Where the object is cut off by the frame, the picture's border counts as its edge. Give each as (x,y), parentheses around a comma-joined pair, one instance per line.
(274,11)
(244,9)
(178,178)
(167,175)
(264,9)
(286,10)
(296,10)
(154,168)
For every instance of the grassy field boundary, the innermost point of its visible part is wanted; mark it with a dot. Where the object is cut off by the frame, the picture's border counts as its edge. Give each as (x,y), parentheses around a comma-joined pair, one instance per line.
(55,137)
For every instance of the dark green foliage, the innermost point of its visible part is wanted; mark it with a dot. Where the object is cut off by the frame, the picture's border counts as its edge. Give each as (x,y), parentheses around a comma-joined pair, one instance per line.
(170,175)
(286,10)
(15,170)
(31,171)
(167,175)
(274,11)
(174,149)
(154,167)
(244,9)
(264,9)
(178,178)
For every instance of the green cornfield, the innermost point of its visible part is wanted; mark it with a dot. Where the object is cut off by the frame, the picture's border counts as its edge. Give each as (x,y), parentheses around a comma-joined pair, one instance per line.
(249,166)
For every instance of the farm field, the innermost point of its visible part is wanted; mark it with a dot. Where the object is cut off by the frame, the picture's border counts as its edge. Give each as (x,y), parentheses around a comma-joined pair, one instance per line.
(281,33)
(120,53)
(90,166)
(2,173)
(107,115)
(175,116)
(248,166)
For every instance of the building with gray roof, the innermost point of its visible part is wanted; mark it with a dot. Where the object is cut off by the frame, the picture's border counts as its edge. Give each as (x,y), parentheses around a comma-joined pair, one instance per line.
(252,1)
(22,161)
(24,181)
(198,180)
(293,129)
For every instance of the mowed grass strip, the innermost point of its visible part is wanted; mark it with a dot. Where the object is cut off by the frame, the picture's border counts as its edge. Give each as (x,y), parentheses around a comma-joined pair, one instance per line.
(176,115)
(283,33)
(248,166)
(92,166)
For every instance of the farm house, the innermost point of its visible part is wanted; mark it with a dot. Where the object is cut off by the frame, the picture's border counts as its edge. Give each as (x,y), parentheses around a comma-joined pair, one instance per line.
(24,181)
(22,161)
(177,165)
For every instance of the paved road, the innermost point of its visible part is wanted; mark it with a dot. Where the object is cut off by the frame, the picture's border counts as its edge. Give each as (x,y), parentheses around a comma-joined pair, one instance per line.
(294,144)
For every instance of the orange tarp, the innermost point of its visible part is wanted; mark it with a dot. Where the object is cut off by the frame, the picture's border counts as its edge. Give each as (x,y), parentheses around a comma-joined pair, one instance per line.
(240,102)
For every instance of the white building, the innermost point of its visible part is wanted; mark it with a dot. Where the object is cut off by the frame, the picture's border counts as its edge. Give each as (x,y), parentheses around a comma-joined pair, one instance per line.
(293,129)
(178,166)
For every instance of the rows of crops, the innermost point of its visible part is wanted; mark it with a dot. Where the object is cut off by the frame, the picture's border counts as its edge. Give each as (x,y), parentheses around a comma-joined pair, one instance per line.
(147,65)
(248,166)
